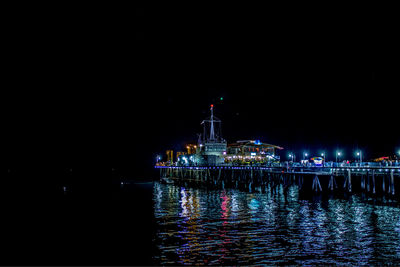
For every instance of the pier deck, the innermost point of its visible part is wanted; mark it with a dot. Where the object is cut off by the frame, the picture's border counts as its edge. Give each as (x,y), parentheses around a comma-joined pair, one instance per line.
(338,171)
(368,177)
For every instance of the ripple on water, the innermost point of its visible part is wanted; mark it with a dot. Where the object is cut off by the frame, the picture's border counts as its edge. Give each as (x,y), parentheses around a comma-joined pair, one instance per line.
(227,227)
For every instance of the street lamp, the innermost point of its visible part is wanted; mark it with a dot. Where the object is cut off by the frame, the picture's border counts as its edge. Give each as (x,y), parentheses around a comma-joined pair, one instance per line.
(305,155)
(360,155)
(338,154)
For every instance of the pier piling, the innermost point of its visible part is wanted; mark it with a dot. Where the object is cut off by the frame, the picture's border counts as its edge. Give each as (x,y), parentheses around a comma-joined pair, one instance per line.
(261,179)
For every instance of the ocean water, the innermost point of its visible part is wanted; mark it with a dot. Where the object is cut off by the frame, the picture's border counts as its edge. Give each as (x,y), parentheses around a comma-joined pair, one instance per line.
(155,224)
(228,227)
(86,225)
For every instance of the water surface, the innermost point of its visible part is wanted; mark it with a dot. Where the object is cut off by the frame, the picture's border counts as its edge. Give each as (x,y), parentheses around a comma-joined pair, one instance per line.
(225,227)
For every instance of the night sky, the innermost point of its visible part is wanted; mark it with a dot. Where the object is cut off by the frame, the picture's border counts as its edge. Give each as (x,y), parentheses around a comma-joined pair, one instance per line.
(302,85)
(113,91)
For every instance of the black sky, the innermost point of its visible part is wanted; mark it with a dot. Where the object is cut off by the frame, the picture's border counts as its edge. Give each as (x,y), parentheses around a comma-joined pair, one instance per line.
(110,90)
(303,84)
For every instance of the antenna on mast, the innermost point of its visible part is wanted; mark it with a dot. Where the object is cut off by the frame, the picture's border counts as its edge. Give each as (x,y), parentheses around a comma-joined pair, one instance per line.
(212,133)
(212,126)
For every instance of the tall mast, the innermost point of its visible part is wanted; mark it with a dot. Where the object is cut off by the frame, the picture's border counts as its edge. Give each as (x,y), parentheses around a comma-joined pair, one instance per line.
(212,134)
(212,137)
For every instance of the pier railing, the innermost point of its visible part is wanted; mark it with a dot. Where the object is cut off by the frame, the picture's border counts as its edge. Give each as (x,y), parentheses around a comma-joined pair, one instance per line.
(337,170)
(367,176)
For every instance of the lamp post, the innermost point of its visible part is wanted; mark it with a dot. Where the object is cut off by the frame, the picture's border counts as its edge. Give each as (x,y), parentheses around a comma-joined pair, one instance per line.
(360,155)
(338,154)
(304,157)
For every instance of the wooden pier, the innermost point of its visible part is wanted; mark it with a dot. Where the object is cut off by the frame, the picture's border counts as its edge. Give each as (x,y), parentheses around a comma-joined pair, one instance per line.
(382,180)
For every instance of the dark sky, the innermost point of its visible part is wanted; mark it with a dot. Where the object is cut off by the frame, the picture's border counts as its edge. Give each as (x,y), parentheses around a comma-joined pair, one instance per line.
(299,83)
(113,90)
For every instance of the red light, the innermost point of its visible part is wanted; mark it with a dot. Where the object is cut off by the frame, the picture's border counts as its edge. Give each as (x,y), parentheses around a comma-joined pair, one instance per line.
(212,105)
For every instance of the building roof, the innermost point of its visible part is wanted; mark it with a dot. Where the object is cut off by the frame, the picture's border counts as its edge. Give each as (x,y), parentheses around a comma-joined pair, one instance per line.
(253,143)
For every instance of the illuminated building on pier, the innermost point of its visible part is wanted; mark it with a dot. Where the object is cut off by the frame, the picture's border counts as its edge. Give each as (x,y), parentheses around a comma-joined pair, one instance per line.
(212,149)
(251,151)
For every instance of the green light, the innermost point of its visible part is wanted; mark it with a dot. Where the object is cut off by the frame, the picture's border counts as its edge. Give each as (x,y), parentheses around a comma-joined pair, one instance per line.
(222,98)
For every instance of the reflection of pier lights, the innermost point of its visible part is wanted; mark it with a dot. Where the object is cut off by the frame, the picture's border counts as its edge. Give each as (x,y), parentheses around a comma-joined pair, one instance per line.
(190,204)
(225,208)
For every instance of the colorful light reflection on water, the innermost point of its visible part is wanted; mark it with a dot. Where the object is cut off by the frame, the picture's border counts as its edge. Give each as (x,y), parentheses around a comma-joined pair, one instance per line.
(227,227)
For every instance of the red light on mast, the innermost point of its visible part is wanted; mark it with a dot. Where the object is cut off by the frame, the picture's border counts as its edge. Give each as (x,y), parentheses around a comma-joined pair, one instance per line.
(212,105)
